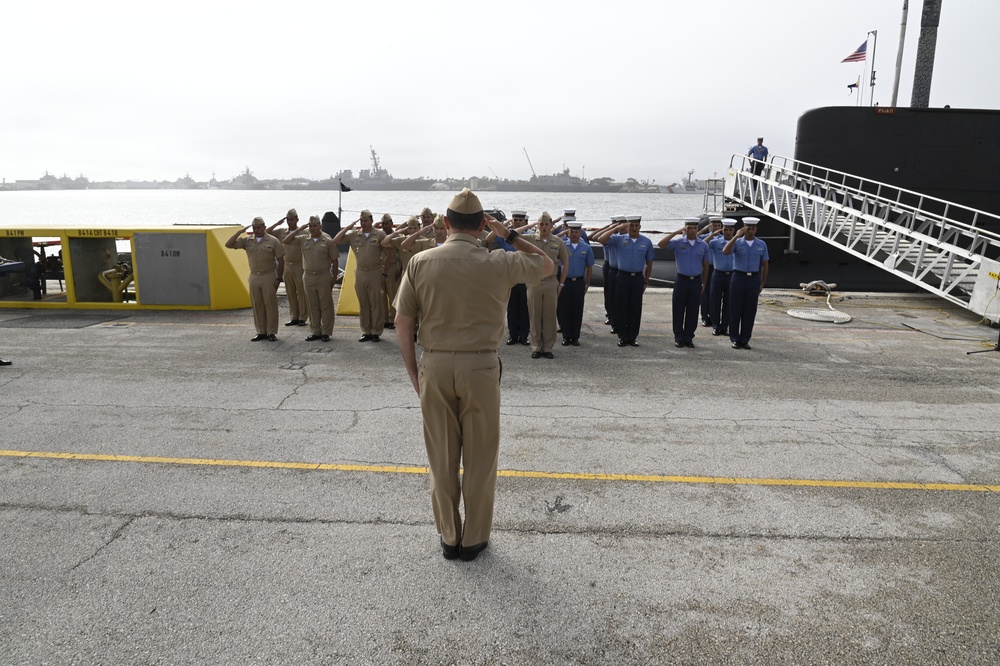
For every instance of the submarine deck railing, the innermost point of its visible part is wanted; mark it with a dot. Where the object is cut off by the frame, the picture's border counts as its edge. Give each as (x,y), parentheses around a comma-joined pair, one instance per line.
(935,244)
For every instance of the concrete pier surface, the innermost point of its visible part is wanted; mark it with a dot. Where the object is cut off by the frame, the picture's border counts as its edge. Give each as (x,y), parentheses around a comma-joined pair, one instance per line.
(171,493)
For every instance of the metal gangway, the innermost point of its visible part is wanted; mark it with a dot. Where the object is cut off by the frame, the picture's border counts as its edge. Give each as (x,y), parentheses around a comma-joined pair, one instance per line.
(937,245)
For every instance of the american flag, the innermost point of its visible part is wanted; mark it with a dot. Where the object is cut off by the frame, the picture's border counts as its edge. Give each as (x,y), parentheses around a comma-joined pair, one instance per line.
(858,55)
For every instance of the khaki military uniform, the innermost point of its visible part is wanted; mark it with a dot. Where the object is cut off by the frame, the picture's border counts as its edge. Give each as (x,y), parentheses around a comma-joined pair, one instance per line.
(369,259)
(459,293)
(318,255)
(543,298)
(294,289)
(263,256)
(393,272)
(404,255)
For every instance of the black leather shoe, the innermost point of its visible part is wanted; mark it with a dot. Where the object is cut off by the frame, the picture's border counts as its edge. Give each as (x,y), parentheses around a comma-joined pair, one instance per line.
(607,321)
(737,345)
(391,326)
(633,343)
(678,344)
(512,341)
(365,338)
(718,332)
(258,337)
(302,322)
(326,338)
(622,342)
(536,355)
(375,338)
(565,342)
(548,355)
(272,338)
(450,552)
(525,341)
(470,553)
(314,337)
(575,342)
(746,346)
(705,322)
(3,362)
(689,344)
(292,322)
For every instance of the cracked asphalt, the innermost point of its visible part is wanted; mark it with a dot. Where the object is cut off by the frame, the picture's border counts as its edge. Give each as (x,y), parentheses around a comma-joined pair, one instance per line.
(113,561)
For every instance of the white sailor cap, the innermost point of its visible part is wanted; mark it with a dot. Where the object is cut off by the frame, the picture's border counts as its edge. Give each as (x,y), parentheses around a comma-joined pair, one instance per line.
(715,218)
(691,220)
(568,218)
(575,225)
(751,220)
(728,222)
(569,212)
(633,218)
(618,218)
(519,213)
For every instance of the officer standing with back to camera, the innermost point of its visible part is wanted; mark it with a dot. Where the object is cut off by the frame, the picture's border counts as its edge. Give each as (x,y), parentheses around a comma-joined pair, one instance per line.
(749,276)
(266,256)
(458,375)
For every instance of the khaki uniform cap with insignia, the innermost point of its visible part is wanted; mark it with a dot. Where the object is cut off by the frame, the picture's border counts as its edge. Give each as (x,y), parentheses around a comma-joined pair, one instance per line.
(466,202)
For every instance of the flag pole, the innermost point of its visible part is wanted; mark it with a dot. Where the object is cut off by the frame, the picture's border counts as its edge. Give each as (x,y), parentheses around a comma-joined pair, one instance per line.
(899,55)
(871,96)
(340,197)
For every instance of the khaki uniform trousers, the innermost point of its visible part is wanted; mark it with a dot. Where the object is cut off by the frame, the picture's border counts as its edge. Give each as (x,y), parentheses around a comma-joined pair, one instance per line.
(294,290)
(318,291)
(371,300)
(264,300)
(460,403)
(542,304)
(391,287)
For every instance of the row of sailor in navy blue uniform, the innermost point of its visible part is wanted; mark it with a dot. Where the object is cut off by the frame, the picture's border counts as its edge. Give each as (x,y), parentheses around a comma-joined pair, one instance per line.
(635,264)
(748,279)
(722,273)
(577,282)
(691,260)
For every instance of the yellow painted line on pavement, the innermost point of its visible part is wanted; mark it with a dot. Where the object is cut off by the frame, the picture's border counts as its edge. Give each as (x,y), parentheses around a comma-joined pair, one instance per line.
(571,476)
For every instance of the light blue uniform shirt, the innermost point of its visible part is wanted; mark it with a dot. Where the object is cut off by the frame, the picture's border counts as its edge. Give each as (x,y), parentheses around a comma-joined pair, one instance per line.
(632,254)
(748,258)
(689,258)
(721,262)
(611,254)
(579,258)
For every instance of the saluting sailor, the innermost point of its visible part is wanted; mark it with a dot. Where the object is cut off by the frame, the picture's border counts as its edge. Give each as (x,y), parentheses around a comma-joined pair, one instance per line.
(518,323)
(266,256)
(715,223)
(691,260)
(578,273)
(722,272)
(749,277)
(543,297)
(635,265)
(320,262)
(369,277)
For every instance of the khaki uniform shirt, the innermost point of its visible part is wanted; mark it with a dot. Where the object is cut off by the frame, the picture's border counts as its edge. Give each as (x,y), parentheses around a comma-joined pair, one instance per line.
(404,254)
(367,251)
(554,247)
(293,252)
(262,255)
(459,293)
(318,254)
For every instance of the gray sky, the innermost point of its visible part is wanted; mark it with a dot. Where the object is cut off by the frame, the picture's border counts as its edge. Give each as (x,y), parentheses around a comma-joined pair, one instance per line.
(643,89)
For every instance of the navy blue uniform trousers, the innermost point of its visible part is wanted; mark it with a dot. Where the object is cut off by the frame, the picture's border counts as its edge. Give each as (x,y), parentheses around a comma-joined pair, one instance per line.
(743,291)
(687,300)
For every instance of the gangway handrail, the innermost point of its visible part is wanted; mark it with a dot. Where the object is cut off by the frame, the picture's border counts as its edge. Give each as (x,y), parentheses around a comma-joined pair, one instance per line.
(976,213)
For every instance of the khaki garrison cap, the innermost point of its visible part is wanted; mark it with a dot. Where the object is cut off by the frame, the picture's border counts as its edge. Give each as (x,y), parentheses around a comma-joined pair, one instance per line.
(466,203)
(412,222)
